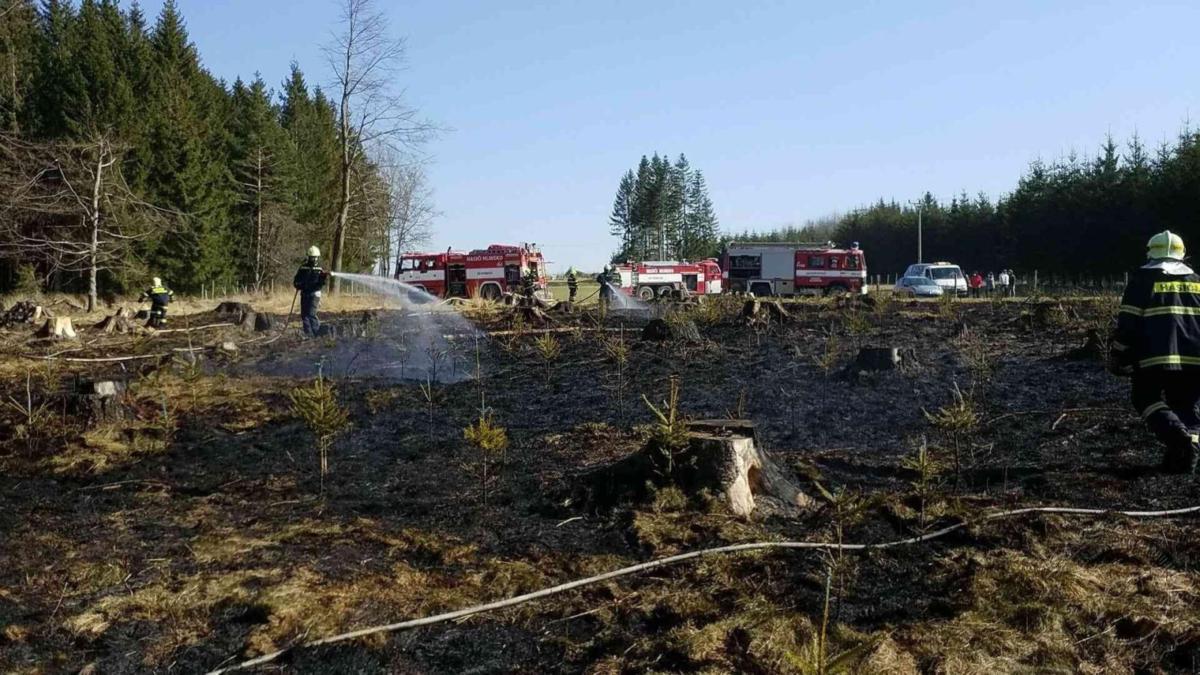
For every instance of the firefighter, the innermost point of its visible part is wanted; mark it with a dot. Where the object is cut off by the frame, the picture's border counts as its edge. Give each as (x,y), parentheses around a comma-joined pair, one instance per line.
(605,289)
(1157,342)
(572,284)
(159,296)
(529,286)
(309,281)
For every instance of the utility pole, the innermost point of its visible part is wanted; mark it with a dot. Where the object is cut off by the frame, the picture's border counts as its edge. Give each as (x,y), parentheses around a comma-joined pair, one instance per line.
(920,207)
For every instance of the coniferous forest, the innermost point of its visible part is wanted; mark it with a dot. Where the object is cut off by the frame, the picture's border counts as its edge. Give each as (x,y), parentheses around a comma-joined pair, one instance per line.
(1074,216)
(663,211)
(122,157)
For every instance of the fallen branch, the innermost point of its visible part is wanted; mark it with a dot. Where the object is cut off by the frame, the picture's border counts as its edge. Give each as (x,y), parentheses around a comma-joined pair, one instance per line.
(112,359)
(188,330)
(663,562)
(1064,412)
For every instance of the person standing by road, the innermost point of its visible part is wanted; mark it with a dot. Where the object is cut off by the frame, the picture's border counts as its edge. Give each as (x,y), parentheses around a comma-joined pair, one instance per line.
(976,284)
(309,281)
(1012,284)
(1003,281)
(1157,344)
(990,284)
(572,284)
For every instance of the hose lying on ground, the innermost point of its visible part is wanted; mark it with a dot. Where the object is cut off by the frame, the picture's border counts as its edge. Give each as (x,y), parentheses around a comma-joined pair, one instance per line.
(662,562)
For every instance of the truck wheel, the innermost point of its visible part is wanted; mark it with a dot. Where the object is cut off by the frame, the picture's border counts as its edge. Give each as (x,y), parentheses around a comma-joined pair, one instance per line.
(836,289)
(762,290)
(490,292)
(645,293)
(664,292)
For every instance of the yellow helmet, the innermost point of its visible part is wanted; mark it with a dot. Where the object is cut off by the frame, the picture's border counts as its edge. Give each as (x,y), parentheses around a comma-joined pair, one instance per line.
(1165,245)
(314,252)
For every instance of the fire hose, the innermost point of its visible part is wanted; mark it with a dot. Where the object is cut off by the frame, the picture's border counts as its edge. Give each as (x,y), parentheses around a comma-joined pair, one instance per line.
(662,562)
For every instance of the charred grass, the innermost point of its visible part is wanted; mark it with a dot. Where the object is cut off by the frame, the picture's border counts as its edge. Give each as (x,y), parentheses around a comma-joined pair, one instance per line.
(174,541)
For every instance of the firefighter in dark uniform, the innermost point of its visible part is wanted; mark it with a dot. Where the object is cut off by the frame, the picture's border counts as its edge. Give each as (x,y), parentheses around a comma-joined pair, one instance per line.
(606,289)
(1157,342)
(309,281)
(159,296)
(572,284)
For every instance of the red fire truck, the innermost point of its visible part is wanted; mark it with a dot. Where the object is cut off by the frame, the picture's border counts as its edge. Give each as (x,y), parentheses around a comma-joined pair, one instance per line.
(659,278)
(483,273)
(794,268)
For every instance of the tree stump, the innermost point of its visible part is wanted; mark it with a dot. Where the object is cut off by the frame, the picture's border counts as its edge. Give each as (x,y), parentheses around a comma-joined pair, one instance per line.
(1094,349)
(874,359)
(98,401)
(564,307)
(263,322)
(659,330)
(58,328)
(120,323)
(720,457)
(234,309)
(533,316)
(248,321)
(725,457)
(757,311)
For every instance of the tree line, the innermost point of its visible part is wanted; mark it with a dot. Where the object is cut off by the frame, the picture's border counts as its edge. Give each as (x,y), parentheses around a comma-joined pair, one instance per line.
(122,157)
(1075,216)
(663,212)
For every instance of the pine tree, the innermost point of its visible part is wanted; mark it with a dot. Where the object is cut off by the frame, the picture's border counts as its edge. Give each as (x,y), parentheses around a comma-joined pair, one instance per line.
(620,222)
(18,61)
(702,226)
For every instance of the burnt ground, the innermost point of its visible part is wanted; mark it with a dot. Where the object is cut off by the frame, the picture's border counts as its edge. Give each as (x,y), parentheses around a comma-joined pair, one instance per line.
(195,532)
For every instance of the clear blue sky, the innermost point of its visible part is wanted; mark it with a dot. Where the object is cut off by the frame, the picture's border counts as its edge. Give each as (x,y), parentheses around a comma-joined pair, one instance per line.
(792,109)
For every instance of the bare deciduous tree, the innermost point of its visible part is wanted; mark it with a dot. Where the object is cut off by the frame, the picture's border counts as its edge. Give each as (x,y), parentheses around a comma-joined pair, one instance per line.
(271,222)
(410,209)
(365,58)
(67,205)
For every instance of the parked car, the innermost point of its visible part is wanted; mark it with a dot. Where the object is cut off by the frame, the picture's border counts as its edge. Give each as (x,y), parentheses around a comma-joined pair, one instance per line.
(918,287)
(947,275)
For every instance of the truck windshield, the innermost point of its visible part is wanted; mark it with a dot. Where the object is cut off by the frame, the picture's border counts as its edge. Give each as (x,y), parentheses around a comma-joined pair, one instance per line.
(945,273)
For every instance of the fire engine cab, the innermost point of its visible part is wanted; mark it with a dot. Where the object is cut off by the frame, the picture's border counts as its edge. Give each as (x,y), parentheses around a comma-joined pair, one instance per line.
(658,278)
(794,268)
(483,273)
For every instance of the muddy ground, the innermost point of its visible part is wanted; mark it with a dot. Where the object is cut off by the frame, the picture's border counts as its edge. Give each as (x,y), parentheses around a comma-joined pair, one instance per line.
(195,532)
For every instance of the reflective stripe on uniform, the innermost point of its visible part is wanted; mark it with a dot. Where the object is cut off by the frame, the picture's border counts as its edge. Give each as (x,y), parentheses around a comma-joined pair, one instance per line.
(1174,360)
(1153,408)
(1177,287)
(1118,347)
(1172,309)
(1130,309)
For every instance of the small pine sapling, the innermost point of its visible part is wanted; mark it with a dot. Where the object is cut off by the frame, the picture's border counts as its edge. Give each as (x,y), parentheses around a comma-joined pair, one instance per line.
(669,434)
(490,439)
(317,405)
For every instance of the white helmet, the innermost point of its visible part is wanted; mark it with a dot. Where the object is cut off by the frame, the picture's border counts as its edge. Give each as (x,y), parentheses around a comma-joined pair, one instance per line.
(1165,245)
(157,281)
(314,252)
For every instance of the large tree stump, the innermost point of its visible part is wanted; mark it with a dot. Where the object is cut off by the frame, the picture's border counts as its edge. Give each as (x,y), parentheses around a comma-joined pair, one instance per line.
(725,457)
(263,322)
(757,311)
(58,328)
(120,323)
(720,457)
(98,401)
(234,309)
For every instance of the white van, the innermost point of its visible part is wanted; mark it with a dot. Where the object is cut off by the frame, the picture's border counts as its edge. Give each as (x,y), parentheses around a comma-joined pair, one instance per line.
(947,275)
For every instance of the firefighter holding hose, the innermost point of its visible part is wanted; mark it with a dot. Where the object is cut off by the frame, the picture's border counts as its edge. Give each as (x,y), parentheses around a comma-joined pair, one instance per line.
(1157,343)
(308,282)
